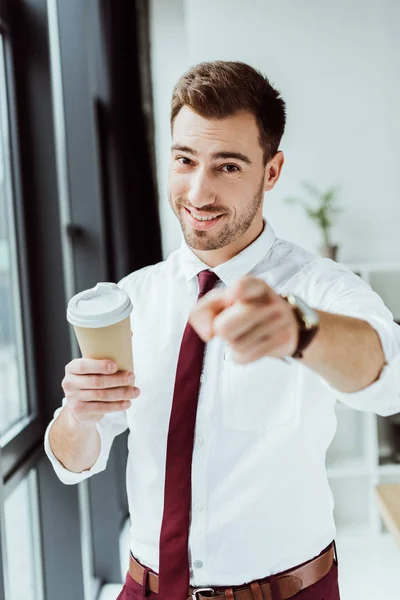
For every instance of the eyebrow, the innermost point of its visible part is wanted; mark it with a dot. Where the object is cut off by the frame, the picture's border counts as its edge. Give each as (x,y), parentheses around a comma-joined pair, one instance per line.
(215,155)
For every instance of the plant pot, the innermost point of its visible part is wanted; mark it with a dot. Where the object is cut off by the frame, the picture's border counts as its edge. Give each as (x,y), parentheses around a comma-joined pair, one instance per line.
(329,252)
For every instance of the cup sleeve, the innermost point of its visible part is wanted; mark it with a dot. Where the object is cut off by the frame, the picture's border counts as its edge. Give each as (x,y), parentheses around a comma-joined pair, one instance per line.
(108,428)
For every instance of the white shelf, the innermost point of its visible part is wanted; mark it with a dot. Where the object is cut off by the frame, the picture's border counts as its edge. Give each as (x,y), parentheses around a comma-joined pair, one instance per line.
(348,467)
(389,469)
(363,440)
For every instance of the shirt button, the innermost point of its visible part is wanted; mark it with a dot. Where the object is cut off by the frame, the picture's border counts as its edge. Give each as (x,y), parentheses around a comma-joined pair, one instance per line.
(199,441)
(198,564)
(202,378)
(199,507)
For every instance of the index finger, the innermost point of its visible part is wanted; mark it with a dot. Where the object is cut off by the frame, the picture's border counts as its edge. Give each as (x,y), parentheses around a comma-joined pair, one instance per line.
(250,289)
(84,366)
(207,308)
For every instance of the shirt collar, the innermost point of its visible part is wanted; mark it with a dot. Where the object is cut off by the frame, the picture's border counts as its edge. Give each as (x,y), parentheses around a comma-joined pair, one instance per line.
(236,267)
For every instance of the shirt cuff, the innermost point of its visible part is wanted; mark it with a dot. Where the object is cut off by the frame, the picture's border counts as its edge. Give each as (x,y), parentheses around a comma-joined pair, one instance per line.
(69,477)
(381,397)
(385,330)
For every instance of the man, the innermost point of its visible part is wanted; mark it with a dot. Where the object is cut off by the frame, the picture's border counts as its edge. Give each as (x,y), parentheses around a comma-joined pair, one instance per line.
(226,471)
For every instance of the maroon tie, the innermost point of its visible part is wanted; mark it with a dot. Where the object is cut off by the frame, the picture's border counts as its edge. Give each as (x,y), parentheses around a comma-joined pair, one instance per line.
(174,576)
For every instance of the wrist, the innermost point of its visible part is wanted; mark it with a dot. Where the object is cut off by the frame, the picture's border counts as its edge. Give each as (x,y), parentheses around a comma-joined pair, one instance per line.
(73,422)
(307,320)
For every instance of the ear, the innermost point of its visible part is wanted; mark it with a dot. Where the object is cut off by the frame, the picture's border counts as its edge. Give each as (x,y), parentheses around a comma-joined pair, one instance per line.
(273,170)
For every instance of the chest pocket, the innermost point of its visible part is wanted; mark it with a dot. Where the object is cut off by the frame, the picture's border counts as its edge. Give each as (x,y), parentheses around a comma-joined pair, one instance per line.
(259,396)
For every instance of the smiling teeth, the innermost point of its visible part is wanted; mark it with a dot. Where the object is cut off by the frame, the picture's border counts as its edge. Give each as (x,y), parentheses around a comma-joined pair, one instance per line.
(203,218)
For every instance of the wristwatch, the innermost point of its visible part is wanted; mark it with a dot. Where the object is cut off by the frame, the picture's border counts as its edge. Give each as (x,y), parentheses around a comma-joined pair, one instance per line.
(307,319)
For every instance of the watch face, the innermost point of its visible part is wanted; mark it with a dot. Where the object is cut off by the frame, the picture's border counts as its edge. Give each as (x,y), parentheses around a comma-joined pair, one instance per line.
(310,316)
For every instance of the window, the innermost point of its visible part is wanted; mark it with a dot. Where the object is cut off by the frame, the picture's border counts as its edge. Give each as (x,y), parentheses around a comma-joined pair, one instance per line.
(51,53)
(23,549)
(13,399)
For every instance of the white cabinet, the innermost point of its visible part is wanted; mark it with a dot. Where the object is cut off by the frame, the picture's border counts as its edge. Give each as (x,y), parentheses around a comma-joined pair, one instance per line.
(360,455)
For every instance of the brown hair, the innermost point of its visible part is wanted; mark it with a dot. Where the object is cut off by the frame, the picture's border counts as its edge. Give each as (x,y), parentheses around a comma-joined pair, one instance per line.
(219,89)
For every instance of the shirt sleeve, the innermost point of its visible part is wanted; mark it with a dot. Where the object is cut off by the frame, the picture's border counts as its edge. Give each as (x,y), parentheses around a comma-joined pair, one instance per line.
(338,290)
(111,425)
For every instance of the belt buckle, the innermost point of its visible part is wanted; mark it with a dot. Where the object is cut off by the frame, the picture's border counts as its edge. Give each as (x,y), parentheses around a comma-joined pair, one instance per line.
(202,589)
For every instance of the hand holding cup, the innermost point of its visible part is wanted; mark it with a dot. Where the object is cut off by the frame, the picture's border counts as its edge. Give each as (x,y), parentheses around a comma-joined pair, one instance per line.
(103,380)
(94,388)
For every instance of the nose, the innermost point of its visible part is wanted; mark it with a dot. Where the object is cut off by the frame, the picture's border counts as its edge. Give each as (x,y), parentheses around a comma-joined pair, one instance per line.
(201,191)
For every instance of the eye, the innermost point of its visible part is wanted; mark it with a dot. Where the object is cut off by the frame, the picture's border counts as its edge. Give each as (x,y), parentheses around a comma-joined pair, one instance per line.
(183,160)
(230,168)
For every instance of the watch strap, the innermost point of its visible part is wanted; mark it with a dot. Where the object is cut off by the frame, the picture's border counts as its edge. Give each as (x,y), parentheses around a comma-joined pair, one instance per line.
(306,334)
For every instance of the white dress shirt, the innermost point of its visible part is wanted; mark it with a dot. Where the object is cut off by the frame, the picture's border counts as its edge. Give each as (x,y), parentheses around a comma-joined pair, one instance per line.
(261,502)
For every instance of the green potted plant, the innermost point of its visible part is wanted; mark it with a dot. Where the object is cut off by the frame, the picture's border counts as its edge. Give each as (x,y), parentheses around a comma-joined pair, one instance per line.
(322,211)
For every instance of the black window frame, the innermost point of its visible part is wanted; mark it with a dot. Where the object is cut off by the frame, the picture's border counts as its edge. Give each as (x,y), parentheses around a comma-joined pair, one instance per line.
(34,184)
(30,427)
(102,166)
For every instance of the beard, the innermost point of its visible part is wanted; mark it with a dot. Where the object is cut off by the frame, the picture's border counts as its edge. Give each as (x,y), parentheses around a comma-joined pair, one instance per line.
(229,233)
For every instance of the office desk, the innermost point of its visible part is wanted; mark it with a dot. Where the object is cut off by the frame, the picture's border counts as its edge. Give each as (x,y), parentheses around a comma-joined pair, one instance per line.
(388,499)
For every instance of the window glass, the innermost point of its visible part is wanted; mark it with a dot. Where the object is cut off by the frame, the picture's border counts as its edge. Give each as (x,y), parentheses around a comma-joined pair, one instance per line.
(23,549)
(13,403)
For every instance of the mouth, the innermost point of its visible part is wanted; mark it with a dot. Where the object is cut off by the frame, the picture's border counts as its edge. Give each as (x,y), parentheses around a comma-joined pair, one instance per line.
(197,223)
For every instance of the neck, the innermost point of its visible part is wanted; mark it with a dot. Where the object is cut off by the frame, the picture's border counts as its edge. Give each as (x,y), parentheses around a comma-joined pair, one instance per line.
(213,258)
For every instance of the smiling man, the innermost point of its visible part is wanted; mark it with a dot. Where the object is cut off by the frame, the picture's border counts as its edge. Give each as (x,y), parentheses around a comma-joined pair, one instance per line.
(217,181)
(242,344)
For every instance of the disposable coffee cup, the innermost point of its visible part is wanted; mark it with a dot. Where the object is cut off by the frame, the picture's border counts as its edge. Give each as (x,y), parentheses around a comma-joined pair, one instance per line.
(100,317)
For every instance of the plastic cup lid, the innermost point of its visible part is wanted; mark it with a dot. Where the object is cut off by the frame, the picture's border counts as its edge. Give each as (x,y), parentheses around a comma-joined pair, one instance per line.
(103,305)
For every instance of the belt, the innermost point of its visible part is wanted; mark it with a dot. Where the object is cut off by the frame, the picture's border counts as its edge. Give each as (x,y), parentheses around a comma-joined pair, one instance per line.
(289,583)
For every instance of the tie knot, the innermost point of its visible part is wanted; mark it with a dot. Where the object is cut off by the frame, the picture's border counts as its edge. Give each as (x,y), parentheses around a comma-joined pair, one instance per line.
(207,280)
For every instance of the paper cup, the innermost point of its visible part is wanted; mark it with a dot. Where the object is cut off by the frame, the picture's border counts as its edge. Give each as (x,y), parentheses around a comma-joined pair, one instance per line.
(100,317)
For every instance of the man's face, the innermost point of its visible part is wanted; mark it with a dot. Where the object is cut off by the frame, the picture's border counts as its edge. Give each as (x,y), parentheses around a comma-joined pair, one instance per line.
(216,170)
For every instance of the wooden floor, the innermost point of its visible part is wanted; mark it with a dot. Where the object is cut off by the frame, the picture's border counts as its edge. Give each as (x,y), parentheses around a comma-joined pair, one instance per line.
(388,500)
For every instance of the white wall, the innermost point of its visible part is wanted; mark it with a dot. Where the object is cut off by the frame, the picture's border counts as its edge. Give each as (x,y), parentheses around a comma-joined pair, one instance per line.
(337,66)
(169,59)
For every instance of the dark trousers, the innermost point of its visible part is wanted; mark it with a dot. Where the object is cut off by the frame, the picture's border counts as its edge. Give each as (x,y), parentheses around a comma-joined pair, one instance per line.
(326,588)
